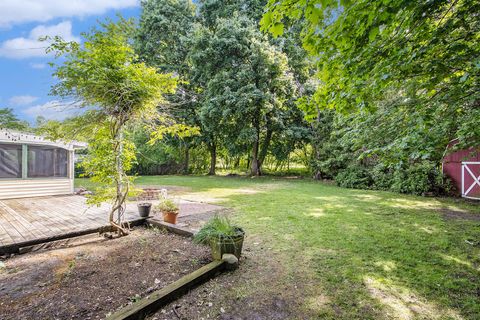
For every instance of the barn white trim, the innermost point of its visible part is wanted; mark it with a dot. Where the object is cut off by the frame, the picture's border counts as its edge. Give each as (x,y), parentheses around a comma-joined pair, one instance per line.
(476,180)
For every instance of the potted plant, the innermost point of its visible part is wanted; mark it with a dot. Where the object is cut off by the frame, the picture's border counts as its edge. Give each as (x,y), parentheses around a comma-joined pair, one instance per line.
(169,210)
(144,209)
(222,236)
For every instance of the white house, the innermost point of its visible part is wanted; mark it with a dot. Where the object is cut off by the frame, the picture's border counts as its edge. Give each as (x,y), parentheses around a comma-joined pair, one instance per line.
(33,166)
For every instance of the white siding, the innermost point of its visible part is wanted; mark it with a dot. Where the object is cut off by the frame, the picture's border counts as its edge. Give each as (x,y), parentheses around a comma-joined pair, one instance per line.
(34,188)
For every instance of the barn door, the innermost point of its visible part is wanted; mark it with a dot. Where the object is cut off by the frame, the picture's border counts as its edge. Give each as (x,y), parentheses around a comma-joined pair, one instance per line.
(471,180)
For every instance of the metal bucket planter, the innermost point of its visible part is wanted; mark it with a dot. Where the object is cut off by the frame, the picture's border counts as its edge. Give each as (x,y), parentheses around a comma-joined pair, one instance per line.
(232,245)
(144,209)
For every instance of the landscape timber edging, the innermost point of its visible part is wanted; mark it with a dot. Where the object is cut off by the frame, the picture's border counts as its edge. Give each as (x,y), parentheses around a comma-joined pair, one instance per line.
(153,302)
(27,246)
(171,227)
(43,243)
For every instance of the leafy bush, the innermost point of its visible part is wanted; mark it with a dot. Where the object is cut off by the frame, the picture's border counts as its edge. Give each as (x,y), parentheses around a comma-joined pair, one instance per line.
(167,205)
(382,177)
(420,178)
(354,176)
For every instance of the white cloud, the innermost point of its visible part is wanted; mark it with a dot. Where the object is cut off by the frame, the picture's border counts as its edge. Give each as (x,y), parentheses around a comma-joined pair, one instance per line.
(38,65)
(22,100)
(53,110)
(21,11)
(20,48)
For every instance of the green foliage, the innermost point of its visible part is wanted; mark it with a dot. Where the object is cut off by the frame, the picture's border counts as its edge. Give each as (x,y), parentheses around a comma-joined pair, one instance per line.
(239,88)
(104,72)
(161,39)
(419,179)
(217,228)
(415,178)
(382,177)
(409,72)
(167,205)
(354,176)
(212,10)
(9,120)
(365,48)
(247,84)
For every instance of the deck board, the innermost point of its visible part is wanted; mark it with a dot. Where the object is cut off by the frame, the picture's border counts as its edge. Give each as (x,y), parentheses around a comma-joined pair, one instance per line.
(33,218)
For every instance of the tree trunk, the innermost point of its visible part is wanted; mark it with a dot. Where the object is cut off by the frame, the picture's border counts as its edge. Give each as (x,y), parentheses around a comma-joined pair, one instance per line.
(264,150)
(213,159)
(255,168)
(317,175)
(187,159)
(120,173)
(121,190)
(236,165)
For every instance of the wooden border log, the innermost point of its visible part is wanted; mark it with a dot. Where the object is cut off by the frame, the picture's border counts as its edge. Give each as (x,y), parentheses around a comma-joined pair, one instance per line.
(17,247)
(171,227)
(160,298)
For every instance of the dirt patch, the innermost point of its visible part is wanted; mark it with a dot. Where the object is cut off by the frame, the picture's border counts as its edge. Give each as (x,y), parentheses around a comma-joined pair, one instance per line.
(449,214)
(92,280)
(261,289)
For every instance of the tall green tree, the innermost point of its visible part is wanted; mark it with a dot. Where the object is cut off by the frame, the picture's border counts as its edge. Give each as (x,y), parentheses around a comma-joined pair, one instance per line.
(247,84)
(163,34)
(212,93)
(104,72)
(211,10)
(9,120)
(162,40)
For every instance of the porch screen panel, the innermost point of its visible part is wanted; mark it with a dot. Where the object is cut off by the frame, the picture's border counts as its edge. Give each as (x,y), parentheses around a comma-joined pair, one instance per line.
(10,161)
(47,162)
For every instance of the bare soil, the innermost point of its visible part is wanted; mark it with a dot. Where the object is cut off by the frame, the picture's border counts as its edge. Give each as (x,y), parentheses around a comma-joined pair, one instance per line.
(261,289)
(455,215)
(92,280)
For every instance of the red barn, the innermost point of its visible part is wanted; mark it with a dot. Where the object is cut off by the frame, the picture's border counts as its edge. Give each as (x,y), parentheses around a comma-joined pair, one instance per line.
(463,167)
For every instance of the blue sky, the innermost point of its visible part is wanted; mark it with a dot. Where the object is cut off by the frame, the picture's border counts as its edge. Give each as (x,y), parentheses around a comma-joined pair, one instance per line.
(25,77)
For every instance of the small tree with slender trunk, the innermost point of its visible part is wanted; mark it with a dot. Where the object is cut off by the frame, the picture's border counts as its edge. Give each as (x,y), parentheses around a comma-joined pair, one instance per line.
(103,73)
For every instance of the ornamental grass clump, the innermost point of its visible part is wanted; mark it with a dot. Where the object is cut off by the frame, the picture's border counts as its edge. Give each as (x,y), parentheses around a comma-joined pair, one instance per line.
(222,236)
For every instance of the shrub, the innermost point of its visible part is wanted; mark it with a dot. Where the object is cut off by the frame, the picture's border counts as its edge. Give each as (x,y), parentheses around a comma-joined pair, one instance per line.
(382,177)
(420,178)
(354,176)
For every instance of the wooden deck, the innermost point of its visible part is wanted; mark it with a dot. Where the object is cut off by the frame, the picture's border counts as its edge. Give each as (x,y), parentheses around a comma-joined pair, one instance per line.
(43,219)
(29,219)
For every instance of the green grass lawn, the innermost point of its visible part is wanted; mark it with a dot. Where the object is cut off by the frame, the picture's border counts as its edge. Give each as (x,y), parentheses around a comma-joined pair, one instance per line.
(360,254)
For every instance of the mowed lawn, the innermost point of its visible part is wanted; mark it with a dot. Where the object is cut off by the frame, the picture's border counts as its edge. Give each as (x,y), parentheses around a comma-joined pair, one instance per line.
(355,254)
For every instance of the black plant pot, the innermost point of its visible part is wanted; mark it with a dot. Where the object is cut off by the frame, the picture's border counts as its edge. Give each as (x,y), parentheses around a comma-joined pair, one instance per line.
(144,209)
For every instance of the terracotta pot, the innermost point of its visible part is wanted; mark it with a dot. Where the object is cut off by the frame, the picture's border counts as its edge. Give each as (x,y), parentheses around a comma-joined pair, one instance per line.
(170,217)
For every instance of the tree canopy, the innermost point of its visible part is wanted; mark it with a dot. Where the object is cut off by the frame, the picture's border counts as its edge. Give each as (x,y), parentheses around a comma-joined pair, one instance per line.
(104,73)
(241,88)
(425,52)
(9,120)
